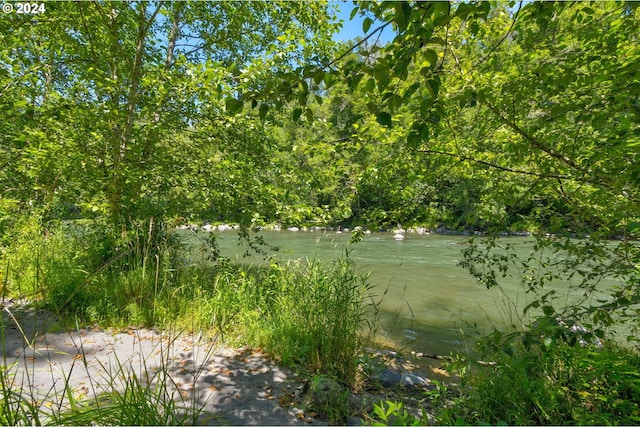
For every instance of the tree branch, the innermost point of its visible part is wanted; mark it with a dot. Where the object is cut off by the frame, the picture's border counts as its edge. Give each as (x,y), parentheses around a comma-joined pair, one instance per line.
(352,48)
(495,46)
(533,141)
(494,166)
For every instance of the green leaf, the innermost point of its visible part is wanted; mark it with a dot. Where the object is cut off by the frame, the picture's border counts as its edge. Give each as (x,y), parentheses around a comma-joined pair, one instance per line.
(318,76)
(383,81)
(234,106)
(329,80)
(297,112)
(353,12)
(441,13)
(425,105)
(302,98)
(384,118)
(395,101)
(432,56)
(463,10)
(401,18)
(264,109)
(370,86)
(366,24)
(353,81)
(413,139)
(474,28)
(633,226)
(410,91)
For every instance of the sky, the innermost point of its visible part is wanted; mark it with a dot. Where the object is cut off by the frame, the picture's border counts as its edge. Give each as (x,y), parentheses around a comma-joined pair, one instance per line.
(353,29)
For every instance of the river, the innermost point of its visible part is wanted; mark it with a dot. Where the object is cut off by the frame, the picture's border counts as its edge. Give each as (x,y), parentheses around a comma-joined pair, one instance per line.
(427,303)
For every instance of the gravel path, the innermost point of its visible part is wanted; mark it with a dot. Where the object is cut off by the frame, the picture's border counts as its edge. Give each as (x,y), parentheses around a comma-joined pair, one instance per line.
(229,386)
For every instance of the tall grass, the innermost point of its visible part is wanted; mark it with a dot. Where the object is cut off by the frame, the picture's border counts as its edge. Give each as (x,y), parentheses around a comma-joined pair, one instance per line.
(558,385)
(316,318)
(121,396)
(306,314)
(87,271)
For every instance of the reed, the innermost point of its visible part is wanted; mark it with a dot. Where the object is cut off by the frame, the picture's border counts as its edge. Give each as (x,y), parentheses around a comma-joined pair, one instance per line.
(124,393)
(308,315)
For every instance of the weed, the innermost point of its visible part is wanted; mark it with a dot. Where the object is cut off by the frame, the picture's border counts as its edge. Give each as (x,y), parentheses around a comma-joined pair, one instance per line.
(328,399)
(392,413)
(560,385)
(120,394)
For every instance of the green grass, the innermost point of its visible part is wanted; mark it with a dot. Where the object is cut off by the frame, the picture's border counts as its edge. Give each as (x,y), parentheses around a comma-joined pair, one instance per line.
(560,385)
(119,397)
(308,315)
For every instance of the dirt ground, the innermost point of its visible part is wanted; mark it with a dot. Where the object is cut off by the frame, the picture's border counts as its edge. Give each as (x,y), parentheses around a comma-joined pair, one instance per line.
(227,386)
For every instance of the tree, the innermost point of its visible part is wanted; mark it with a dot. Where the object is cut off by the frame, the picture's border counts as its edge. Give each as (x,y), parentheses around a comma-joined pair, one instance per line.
(534,110)
(102,93)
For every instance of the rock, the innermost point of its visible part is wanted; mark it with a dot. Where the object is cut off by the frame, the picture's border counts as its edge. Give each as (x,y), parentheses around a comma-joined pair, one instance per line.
(354,421)
(208,228)
(324,391)
(392,379)
(326,385)
(362,403)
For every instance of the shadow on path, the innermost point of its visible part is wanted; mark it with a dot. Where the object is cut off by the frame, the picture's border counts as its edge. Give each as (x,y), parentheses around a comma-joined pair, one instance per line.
(227,386)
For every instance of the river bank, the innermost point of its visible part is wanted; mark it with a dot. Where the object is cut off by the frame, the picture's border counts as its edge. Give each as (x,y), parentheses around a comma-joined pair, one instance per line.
(187,377)
(420,230)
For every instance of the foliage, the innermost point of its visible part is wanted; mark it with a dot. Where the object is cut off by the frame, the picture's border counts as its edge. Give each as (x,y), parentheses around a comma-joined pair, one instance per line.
(318,319)
(100,105)
(15,408)
(86,270)
(391,413)
(486,96)
(489,116)
(310,316)
(459,121)
(559,385)
(563,277)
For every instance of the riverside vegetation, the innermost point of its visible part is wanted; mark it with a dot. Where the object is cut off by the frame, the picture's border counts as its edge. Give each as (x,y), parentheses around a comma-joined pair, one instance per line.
(311,317)
(127,119)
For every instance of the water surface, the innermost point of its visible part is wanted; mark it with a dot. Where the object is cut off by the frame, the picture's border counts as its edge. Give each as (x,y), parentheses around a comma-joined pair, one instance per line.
(427,302)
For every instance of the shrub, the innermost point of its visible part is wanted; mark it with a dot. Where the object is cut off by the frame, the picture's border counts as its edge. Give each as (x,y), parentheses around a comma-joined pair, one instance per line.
(562,384)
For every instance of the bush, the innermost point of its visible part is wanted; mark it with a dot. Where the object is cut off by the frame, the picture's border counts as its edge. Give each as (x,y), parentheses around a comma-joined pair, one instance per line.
(317,318)
(88,271)
(309,316)
(559,385)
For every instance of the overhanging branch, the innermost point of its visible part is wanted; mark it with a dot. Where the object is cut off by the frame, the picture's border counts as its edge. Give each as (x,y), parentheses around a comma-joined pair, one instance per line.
(495,166)
(352,48)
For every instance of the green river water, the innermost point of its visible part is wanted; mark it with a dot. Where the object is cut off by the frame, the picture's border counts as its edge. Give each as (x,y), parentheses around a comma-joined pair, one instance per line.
(427,303)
